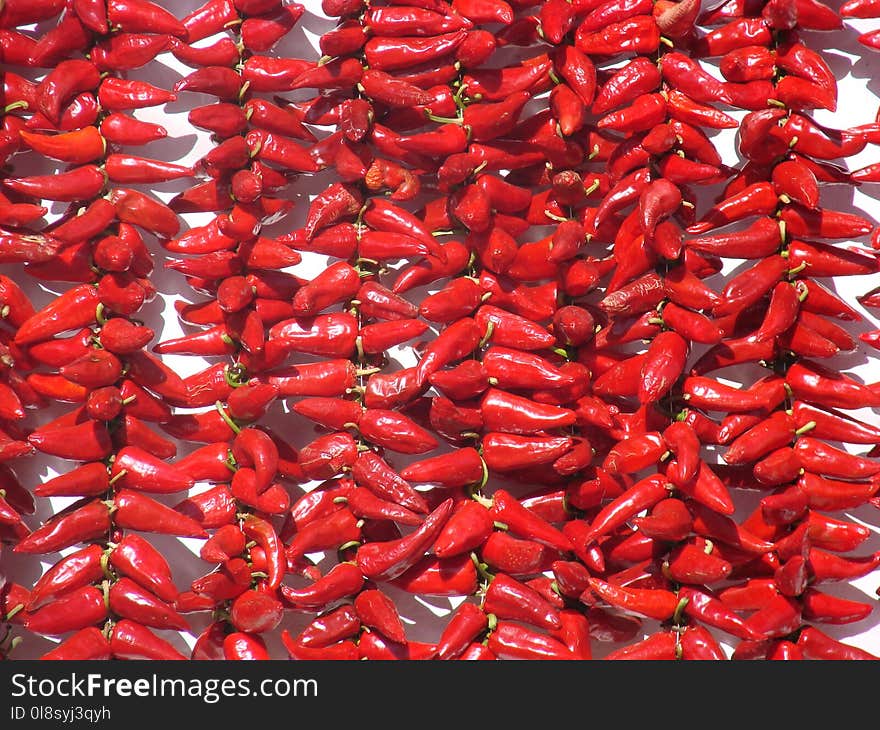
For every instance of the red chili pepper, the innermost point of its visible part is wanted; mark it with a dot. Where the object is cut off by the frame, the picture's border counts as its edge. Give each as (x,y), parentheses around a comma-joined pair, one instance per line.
(508,453)
(467,623)
(705,607)
(691,564)
(116,95)
(86,644)
(226,543)
(335,529)
(669,519)
(242,646)
(77,570)
(391,559)
(518,558)
(212,508)
(137,469)
(389,54)
(638,35)
(816,644)
(711,524)
(136,511)
(83,182)
(16,14)
(634,453)
(364,504)
(344,579)
(128,600)
(378,612)
(509,640)
(72,611)
(139,209)
(663,364)
(759,199)
(507,598)
(465,530)
(433,576)
(329,335)
(654,603)
(89,441)
(131,640)
(86,480)
(141,16)
(340,623)
(255,612)
(642,495)
(778,617)
(372,472)
(260,34)
(859,9)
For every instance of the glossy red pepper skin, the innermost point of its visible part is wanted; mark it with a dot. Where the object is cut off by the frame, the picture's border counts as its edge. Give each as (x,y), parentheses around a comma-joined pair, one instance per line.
(467,529)
(391,559)
(340,623)
(335,529)
(72,611)
(342,580)
(79,569)
(816,644)
(510,640)
(640,496)
(131,640)
(87,480)
(378,612)
(81,524)
(86,644)
(507,598)
(466,624)
(136,558)
(215,507)
(432,576)
(129,600)
(139,512)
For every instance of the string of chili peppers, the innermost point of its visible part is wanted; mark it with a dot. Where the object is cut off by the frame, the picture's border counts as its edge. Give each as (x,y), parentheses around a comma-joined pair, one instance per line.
(242,273)
(78,117)
(785,449)
(859,9)
(366,508)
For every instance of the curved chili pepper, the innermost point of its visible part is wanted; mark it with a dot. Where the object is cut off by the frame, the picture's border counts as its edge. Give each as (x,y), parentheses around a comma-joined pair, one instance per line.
(342,580)
(467,623)
(507,598)
(816,644)
(391,559)
(654,603)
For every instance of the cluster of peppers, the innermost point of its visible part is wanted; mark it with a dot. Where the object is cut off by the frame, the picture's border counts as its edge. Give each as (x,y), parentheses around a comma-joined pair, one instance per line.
(86,347)
(558,424)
